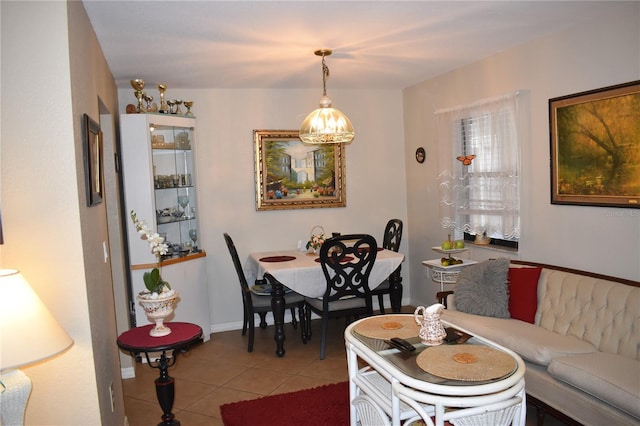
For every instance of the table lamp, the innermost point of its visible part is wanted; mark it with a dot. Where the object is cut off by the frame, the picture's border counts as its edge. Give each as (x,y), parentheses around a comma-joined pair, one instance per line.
(28,334)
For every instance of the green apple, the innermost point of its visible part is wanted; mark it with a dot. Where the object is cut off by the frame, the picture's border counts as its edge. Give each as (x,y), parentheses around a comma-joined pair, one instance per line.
(447,245)
(459,244)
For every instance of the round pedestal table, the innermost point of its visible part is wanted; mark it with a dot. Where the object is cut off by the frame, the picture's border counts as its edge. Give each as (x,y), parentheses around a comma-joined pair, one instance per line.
(138,341)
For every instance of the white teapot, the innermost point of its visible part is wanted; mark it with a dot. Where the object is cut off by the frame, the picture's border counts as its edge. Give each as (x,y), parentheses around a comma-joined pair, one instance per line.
(432,332)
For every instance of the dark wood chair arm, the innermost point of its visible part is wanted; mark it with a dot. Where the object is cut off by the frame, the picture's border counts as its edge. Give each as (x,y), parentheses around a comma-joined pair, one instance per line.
(442,296)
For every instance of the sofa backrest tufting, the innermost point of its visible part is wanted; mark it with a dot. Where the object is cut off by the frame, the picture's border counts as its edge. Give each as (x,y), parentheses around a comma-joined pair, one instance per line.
(603,312)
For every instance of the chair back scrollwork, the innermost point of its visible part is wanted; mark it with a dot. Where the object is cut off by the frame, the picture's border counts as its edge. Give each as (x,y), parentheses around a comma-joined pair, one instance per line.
(346,262)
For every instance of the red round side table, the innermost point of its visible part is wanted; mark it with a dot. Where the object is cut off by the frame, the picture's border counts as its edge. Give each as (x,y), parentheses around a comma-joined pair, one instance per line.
(183,336)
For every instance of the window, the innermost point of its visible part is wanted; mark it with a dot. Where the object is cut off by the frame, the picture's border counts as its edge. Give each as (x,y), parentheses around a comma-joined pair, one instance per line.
(479,175)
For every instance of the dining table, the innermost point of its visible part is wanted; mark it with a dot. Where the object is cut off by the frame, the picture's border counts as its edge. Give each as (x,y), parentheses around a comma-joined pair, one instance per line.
(302,273)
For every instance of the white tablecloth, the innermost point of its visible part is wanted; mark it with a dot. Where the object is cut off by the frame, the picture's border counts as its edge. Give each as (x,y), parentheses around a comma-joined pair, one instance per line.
(304,275)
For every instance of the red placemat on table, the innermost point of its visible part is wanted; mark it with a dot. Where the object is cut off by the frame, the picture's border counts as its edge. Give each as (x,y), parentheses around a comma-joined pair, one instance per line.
(343,260)
(277,258)
(363,249)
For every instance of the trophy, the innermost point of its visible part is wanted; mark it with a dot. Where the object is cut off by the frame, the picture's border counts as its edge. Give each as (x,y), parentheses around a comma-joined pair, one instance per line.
(148,99)
(164,108)
(178,103)
(138,85)
(188,104)
(171,103)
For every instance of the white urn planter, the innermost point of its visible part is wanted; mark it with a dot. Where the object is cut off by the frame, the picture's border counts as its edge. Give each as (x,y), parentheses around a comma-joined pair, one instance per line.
(158,307)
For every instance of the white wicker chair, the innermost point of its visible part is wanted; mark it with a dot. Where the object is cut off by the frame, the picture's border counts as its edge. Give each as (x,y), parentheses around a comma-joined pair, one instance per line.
(369,413)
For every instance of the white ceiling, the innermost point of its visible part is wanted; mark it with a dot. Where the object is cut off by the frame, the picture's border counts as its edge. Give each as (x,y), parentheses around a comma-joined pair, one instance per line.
(270,44)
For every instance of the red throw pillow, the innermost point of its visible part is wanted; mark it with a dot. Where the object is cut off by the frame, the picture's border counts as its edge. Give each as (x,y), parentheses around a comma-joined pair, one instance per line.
(523,293)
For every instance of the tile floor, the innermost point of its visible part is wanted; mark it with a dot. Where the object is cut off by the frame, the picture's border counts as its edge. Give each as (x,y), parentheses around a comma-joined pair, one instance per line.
(222,371)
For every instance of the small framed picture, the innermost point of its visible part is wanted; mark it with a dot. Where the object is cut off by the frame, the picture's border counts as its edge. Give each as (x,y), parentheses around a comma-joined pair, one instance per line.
(92,160)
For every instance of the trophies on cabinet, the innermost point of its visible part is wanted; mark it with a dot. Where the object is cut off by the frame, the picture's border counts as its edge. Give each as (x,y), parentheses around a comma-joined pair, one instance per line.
(150,107)
(138,86)
(188,104)
(171,103)
(164,108)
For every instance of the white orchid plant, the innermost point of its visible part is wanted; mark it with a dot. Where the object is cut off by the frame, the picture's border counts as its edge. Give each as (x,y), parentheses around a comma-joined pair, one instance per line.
(152,280)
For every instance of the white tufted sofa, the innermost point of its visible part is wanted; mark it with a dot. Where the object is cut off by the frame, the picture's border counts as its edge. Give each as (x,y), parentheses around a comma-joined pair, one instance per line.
(583,350)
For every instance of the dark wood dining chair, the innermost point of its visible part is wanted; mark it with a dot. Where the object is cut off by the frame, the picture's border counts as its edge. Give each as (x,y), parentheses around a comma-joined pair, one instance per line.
(258,304)
(390,241)
(346,266)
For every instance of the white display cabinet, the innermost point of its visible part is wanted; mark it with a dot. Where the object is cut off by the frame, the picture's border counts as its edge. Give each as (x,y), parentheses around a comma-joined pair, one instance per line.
(160,186)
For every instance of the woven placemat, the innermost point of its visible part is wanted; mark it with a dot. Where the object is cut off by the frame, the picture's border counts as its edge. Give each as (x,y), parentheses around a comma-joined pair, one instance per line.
(471,363)
(388,326)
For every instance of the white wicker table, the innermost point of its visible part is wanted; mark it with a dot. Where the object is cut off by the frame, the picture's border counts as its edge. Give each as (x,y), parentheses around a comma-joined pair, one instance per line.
(393,383)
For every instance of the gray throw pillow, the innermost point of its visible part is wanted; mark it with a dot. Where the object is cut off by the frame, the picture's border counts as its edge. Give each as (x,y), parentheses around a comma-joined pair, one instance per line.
(481,289)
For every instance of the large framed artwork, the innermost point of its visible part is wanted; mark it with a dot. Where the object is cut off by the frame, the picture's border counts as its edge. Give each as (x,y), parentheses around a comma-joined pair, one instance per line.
(595,147)
(293,175)
(92,160)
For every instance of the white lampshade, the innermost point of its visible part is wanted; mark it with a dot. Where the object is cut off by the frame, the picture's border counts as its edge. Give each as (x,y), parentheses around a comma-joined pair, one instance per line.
(28,331)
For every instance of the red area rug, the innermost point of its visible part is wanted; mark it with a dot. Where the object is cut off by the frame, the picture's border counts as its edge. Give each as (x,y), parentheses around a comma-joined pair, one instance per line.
(321,406)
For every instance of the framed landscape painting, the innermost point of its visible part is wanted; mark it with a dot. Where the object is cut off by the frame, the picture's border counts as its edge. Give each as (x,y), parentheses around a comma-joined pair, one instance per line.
(595,147)
(293,175)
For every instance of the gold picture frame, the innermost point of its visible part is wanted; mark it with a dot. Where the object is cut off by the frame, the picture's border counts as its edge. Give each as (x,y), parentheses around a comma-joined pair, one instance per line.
(292,175)
(92,136)
(595,147)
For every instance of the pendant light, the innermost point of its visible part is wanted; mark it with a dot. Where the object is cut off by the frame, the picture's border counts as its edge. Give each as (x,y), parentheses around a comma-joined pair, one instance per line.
(326,124)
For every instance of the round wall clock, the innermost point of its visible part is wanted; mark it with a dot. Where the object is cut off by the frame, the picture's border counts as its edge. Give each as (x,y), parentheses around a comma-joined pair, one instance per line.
(420,155)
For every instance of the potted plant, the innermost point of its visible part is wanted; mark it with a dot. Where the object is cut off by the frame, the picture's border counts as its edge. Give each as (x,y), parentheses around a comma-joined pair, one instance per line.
(159,299)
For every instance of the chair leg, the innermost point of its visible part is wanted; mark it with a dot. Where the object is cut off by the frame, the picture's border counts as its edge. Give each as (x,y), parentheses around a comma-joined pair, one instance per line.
(323,339)
(251,334)
(294,321)
(381,303)
(263,319)
(305,323)
(245,321)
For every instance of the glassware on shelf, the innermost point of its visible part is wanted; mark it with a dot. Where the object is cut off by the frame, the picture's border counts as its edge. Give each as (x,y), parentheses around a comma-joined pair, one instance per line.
(193,234)
(183,200)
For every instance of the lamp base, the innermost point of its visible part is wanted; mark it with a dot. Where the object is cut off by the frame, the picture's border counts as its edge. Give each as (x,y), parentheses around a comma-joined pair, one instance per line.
(13,399)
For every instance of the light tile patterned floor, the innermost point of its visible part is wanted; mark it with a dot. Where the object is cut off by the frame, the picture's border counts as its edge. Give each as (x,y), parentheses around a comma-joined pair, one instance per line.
(222,371)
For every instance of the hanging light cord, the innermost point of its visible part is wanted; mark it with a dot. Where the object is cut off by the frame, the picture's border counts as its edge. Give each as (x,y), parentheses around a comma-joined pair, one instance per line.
(325,75)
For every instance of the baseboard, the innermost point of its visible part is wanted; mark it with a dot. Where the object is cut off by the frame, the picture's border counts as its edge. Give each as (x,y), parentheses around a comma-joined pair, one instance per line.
(127,372)
(237,325)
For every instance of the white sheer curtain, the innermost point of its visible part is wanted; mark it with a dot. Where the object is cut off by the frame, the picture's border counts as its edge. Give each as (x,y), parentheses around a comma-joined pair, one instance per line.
(481,194)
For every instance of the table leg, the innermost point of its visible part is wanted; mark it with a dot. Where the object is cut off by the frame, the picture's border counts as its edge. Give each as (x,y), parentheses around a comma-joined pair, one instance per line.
(278,307)
(165,391)
(395,291)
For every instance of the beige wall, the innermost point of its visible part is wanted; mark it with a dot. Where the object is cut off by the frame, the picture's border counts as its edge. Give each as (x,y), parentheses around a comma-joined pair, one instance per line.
(94,92)
(597,239)
(375,178)
(50,234)
(57,242)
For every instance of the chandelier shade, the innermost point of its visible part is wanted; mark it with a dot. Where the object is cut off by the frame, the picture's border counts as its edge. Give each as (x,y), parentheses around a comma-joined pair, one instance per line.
(326,124)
